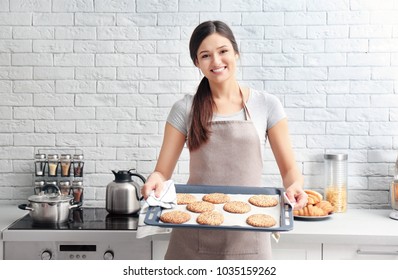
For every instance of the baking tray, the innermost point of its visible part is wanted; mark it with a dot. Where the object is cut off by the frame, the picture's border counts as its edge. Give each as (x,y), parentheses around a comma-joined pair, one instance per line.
(283,212)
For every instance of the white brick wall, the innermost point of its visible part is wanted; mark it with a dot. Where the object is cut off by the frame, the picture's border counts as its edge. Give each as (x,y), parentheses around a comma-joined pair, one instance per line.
(101,75)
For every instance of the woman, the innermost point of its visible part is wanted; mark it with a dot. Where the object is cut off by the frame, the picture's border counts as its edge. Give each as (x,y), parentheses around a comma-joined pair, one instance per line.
(225,127)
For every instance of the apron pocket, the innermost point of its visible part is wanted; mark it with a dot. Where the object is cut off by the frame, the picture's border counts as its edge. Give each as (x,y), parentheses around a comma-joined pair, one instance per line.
(229,242)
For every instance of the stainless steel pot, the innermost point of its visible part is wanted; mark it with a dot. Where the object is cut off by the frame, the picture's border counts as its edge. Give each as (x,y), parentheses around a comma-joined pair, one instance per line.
(394,195)
(50,207)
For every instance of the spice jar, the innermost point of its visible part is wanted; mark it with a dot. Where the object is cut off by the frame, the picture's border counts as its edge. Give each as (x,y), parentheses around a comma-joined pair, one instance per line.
(53,165)
(65,165)
(40,164)
(78,165)
(336,181)
(50,190)
(77,189)
(64,187)
(39,184)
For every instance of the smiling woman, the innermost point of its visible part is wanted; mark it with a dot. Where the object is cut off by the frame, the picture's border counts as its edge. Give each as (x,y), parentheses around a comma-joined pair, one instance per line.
(224,126)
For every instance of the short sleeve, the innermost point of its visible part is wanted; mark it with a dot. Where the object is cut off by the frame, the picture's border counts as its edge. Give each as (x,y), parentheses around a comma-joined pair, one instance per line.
(276,111)
(179,114)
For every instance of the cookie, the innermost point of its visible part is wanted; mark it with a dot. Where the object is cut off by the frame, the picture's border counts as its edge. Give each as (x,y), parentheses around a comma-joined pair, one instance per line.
(261,220)
(185,198)
(175,217)
(200,206)
(212,218)
(237,207)
(216,198)
(262,200)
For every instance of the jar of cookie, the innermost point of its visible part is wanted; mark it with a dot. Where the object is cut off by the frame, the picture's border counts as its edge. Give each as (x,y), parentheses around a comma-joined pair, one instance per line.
(335,172)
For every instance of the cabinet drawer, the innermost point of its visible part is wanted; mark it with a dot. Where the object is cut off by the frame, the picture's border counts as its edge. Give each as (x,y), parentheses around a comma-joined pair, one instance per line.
(359,252)
(296,251)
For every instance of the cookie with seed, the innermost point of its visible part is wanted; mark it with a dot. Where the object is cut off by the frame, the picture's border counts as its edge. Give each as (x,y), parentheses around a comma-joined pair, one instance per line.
(263,200)
(216,198)
(237,207)
(261,220)
(200,206)
(175,217)
(185,198)
(212,218)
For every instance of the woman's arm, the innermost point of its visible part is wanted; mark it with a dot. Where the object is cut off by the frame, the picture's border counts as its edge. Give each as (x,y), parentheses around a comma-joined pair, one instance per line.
(292,179)
(173,143)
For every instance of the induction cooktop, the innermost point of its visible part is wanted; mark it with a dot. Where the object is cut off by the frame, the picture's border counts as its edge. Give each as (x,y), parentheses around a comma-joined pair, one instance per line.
(82,219)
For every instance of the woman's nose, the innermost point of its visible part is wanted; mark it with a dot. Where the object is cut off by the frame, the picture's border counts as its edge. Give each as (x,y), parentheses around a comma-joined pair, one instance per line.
(216,59)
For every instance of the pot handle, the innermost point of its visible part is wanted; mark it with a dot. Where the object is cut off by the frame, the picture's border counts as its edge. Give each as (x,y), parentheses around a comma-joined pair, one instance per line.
(75,205)
(25,207)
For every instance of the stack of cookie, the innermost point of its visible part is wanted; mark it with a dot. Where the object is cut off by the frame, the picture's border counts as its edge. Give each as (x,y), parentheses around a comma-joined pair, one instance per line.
(208,215)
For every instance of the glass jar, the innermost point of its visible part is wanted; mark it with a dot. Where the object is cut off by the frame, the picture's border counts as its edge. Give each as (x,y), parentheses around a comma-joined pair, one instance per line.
(55,183)
(65,165)
(53,165)
(40,164)
(336,181)
(64,187)
(78,165)
(39,184)
(77,189)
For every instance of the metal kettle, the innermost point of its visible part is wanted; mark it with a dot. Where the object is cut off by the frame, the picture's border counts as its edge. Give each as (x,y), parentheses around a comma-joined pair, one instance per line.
(123,194)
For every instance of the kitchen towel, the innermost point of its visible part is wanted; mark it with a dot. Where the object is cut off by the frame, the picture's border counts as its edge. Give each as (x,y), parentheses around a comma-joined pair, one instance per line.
(167,199)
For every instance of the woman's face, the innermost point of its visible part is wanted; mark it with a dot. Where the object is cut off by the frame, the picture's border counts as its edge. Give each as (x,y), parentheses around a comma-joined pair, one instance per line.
(216,58)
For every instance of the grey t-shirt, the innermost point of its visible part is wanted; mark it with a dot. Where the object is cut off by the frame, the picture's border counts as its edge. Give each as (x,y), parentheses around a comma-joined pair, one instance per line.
(265,111)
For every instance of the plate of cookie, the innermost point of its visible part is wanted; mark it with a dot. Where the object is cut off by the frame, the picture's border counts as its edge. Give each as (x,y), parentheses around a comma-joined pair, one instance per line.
(317,209)
(225,207)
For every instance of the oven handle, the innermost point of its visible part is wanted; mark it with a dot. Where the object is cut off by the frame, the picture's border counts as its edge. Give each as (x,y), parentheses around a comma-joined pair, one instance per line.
(25,207)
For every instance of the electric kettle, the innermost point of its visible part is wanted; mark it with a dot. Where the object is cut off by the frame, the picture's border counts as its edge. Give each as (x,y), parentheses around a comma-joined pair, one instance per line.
(123,194)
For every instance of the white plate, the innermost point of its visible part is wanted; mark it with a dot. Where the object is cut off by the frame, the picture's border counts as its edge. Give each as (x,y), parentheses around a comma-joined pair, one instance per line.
(312,218)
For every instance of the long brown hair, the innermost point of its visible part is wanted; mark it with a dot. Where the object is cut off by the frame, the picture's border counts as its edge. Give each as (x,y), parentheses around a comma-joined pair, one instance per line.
(202,105)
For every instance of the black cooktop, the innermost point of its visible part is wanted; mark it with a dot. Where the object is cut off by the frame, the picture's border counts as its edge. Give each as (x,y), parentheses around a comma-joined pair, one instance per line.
(82,219)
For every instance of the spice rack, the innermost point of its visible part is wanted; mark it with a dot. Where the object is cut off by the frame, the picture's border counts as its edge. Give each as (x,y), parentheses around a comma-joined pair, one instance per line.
(62,168)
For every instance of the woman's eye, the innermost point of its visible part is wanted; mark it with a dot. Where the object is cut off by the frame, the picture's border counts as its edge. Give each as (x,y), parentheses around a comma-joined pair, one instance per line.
(224,51)
(205,56)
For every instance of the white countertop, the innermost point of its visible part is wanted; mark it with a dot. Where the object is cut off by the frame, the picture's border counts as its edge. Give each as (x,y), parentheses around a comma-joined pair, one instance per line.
(356,225)
(8,215)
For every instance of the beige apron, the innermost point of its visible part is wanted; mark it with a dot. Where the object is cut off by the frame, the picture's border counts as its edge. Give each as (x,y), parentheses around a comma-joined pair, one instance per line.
(231,157)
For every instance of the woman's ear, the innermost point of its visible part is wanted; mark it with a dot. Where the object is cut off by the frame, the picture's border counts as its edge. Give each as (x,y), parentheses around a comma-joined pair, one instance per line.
(196,62)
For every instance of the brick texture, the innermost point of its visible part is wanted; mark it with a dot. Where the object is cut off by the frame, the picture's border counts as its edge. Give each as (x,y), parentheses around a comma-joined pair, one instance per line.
(102,75)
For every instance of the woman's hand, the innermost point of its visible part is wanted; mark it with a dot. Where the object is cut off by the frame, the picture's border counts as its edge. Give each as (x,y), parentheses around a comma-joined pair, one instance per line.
(296,195)
(154,182)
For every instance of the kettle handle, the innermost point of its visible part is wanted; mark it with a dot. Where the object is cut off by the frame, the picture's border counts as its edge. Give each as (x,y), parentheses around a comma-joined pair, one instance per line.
(138,175)
(142,179)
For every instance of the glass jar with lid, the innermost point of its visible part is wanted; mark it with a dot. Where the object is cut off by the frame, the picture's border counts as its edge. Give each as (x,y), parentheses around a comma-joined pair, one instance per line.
(65,165)
(77,189)
(78,165)
(53,164)
(40,164)
(39,184)
(336,181)
(64,187)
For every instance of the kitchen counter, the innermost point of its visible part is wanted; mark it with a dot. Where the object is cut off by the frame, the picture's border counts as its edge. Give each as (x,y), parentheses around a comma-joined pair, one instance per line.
(356,225)
(8,215)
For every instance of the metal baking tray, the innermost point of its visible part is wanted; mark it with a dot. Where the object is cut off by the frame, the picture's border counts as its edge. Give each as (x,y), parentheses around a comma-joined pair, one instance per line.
(282,213)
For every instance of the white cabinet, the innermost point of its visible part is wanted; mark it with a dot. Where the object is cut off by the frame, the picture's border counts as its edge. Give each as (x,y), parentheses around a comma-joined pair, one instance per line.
(1,250)
(296,251)
(359,252)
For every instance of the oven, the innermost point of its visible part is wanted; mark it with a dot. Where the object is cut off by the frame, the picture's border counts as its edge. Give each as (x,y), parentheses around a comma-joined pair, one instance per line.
(89,234)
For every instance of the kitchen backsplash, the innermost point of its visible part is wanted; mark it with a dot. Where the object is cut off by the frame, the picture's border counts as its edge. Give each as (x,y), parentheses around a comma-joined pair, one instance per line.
(102,75)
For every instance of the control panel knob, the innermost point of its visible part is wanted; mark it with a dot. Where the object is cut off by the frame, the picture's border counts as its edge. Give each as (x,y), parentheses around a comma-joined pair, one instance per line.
(46,255)
(108,255)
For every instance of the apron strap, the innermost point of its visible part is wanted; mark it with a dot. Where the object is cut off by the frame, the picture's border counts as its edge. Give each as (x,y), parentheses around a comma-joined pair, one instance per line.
(247,114)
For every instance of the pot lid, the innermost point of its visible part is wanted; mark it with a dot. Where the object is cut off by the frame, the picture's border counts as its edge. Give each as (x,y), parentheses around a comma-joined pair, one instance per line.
(50,198)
